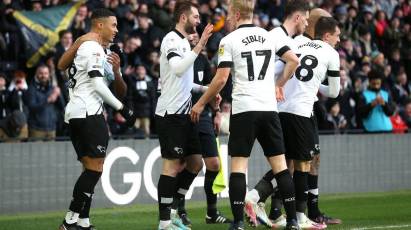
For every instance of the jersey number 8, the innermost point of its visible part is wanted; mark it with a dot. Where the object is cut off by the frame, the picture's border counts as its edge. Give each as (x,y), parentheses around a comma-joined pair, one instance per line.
(305,72)
(250,65)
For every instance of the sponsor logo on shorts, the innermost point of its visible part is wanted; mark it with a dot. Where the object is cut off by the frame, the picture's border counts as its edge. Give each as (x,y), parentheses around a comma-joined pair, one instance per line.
(102,149)
(178,150)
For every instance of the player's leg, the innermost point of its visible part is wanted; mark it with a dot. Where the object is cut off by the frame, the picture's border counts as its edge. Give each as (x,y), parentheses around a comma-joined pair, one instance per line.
(240,143)
(270,137)
(172,132)
(90,139)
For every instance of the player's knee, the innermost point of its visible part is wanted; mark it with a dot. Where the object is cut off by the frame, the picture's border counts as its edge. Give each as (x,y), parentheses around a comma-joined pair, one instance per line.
(93,164)
(302,166)
(212,163)
(315,163)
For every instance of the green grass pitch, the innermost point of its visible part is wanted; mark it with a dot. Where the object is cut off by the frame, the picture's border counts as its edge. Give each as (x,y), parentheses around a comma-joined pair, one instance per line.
(360,211)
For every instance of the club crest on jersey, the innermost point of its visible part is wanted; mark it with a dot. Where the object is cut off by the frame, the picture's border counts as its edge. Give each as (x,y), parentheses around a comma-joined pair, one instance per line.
(221,50)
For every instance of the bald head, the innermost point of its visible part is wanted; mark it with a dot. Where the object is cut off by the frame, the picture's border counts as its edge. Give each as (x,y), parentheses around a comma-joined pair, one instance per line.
(315,14)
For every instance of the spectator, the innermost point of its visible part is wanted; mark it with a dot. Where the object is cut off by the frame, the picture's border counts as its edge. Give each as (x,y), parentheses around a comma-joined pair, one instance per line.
(131,46)
(393,35)
(81,22)
(336,121)
(160,16)
(4,97)
(140,94)
(398,125)
(13,127)
(401,91)
(406,113)
(378,61)
(43,98)
(66,40)
(18,90)
(375,105)
(365,41)
(149,34)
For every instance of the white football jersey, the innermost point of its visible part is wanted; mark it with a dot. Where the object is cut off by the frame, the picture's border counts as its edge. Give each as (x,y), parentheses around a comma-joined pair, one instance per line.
(281,33)
(250,51)
(175,95)
(317,61)
(83,98)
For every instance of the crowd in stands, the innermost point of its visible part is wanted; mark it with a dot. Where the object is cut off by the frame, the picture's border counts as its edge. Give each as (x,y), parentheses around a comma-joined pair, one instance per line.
(375,55)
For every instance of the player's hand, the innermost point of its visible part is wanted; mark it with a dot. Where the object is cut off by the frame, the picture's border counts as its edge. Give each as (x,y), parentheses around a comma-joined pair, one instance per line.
(196,112)
(128,115)
(208,31)
(279,93)
(114,60)
(217,123)
(215,103)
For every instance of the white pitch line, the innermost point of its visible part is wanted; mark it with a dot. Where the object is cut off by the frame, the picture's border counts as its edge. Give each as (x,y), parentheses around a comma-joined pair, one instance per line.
(383,227)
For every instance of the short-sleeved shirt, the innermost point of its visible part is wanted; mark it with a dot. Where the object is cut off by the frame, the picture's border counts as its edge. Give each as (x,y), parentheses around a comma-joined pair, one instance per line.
(83,99)
(249,51)
(317,61)
(280,33)
(175,95)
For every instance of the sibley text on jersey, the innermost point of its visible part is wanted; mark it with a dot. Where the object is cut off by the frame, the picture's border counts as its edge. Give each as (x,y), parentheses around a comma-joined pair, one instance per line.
(253,38)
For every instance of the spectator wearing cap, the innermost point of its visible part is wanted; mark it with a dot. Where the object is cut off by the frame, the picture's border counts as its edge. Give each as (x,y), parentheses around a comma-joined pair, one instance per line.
(340,13)
(368,19)
(377,61)
(43,98)
(13,128)
(351,22)
(375,105)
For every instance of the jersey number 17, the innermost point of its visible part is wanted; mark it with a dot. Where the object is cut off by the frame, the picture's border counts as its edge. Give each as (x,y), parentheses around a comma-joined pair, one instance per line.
(250,65)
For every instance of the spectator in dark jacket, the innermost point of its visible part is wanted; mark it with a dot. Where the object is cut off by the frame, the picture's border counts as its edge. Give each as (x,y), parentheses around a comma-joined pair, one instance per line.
(42,100)
(4,97)
(140,96)
(18,90)
(406,114)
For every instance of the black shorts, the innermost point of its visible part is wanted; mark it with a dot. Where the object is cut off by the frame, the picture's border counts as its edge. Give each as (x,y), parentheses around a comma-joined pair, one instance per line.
(209,146)
(89,136)
(246,127)
(299,136)
(178,136)
(316,136)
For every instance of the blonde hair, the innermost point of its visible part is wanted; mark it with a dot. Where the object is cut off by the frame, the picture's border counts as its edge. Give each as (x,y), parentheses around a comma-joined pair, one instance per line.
(245,7)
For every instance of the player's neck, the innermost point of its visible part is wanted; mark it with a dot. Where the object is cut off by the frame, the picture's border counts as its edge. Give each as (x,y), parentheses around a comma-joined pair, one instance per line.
(180,28)
(289,27)
(244,22)
(100,40)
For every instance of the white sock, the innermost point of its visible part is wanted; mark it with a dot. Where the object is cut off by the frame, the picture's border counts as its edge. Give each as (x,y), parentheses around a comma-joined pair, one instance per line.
(253,196)
(313,191)
(300,216)
(84,222)
(71,217)
(164,223)
(173,212)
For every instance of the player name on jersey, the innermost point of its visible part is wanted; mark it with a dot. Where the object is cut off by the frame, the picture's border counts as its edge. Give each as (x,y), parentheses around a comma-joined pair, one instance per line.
(310,44)
(253,38)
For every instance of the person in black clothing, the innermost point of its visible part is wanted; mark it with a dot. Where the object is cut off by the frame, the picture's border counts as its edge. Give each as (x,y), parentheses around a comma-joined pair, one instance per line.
(140,97)
(208,126)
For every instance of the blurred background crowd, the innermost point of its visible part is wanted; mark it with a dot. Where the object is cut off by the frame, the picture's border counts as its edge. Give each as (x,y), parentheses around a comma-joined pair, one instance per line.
(375,55)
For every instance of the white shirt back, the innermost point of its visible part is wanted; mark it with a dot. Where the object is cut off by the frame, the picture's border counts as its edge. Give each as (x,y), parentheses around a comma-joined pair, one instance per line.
(250,51)
(317,61)
(83,98)
(175,95)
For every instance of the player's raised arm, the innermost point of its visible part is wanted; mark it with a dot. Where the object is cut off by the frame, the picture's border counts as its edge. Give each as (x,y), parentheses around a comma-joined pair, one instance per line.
(179,64)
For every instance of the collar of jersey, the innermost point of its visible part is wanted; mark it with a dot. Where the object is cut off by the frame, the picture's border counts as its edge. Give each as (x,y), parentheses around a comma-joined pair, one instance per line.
(245,25)
(308,36)
(285,31)
(178,33)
